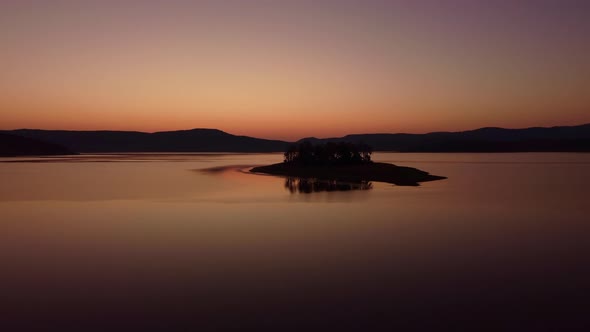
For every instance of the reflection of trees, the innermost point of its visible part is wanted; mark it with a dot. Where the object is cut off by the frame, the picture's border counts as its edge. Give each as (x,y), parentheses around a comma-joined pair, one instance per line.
(307,186)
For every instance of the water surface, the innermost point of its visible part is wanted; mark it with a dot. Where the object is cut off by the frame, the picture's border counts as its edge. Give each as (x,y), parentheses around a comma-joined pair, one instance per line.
(154,240)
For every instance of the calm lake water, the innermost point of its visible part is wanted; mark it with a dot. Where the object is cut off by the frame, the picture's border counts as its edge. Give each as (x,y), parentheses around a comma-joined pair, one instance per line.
(152,240)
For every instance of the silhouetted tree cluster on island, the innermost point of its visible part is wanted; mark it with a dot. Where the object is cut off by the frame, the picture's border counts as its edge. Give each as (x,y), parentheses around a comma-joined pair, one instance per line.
(331,153)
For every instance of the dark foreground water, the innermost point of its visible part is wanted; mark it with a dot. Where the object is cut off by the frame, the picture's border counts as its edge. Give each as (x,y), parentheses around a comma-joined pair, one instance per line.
(151,242)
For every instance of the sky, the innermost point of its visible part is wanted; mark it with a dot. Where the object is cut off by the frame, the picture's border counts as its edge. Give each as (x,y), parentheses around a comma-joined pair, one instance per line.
(293,69)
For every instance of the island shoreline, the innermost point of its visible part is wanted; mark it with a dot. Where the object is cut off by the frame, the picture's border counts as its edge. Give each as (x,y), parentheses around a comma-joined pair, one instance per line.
(377,172)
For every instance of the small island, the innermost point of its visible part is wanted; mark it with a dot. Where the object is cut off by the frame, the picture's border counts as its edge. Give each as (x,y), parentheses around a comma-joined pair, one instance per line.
(344,162)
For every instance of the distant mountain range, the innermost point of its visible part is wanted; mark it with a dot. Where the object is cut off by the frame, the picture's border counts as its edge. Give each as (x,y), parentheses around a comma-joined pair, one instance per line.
(554,139)
(13,145)
(195,140)
(490,139)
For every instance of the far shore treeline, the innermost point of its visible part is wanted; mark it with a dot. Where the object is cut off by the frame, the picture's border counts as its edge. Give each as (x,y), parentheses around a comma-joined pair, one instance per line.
(328,154)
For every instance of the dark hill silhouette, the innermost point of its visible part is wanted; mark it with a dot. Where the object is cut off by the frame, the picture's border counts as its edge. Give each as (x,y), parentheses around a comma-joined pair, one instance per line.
(565,139)
(195,140)
(554,139)
(12,145)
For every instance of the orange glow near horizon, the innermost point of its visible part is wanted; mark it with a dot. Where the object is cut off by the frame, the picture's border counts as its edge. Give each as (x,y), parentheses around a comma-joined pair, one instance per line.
(292,69)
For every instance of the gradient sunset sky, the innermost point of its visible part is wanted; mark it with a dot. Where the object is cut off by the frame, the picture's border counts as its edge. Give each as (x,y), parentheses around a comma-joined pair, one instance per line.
(290,69)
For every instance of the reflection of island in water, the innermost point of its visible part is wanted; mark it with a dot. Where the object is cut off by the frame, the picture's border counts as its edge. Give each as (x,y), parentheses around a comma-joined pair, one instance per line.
(307,186)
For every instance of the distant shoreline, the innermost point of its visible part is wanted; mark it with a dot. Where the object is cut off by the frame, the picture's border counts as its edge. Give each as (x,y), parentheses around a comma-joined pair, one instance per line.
(4,158)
